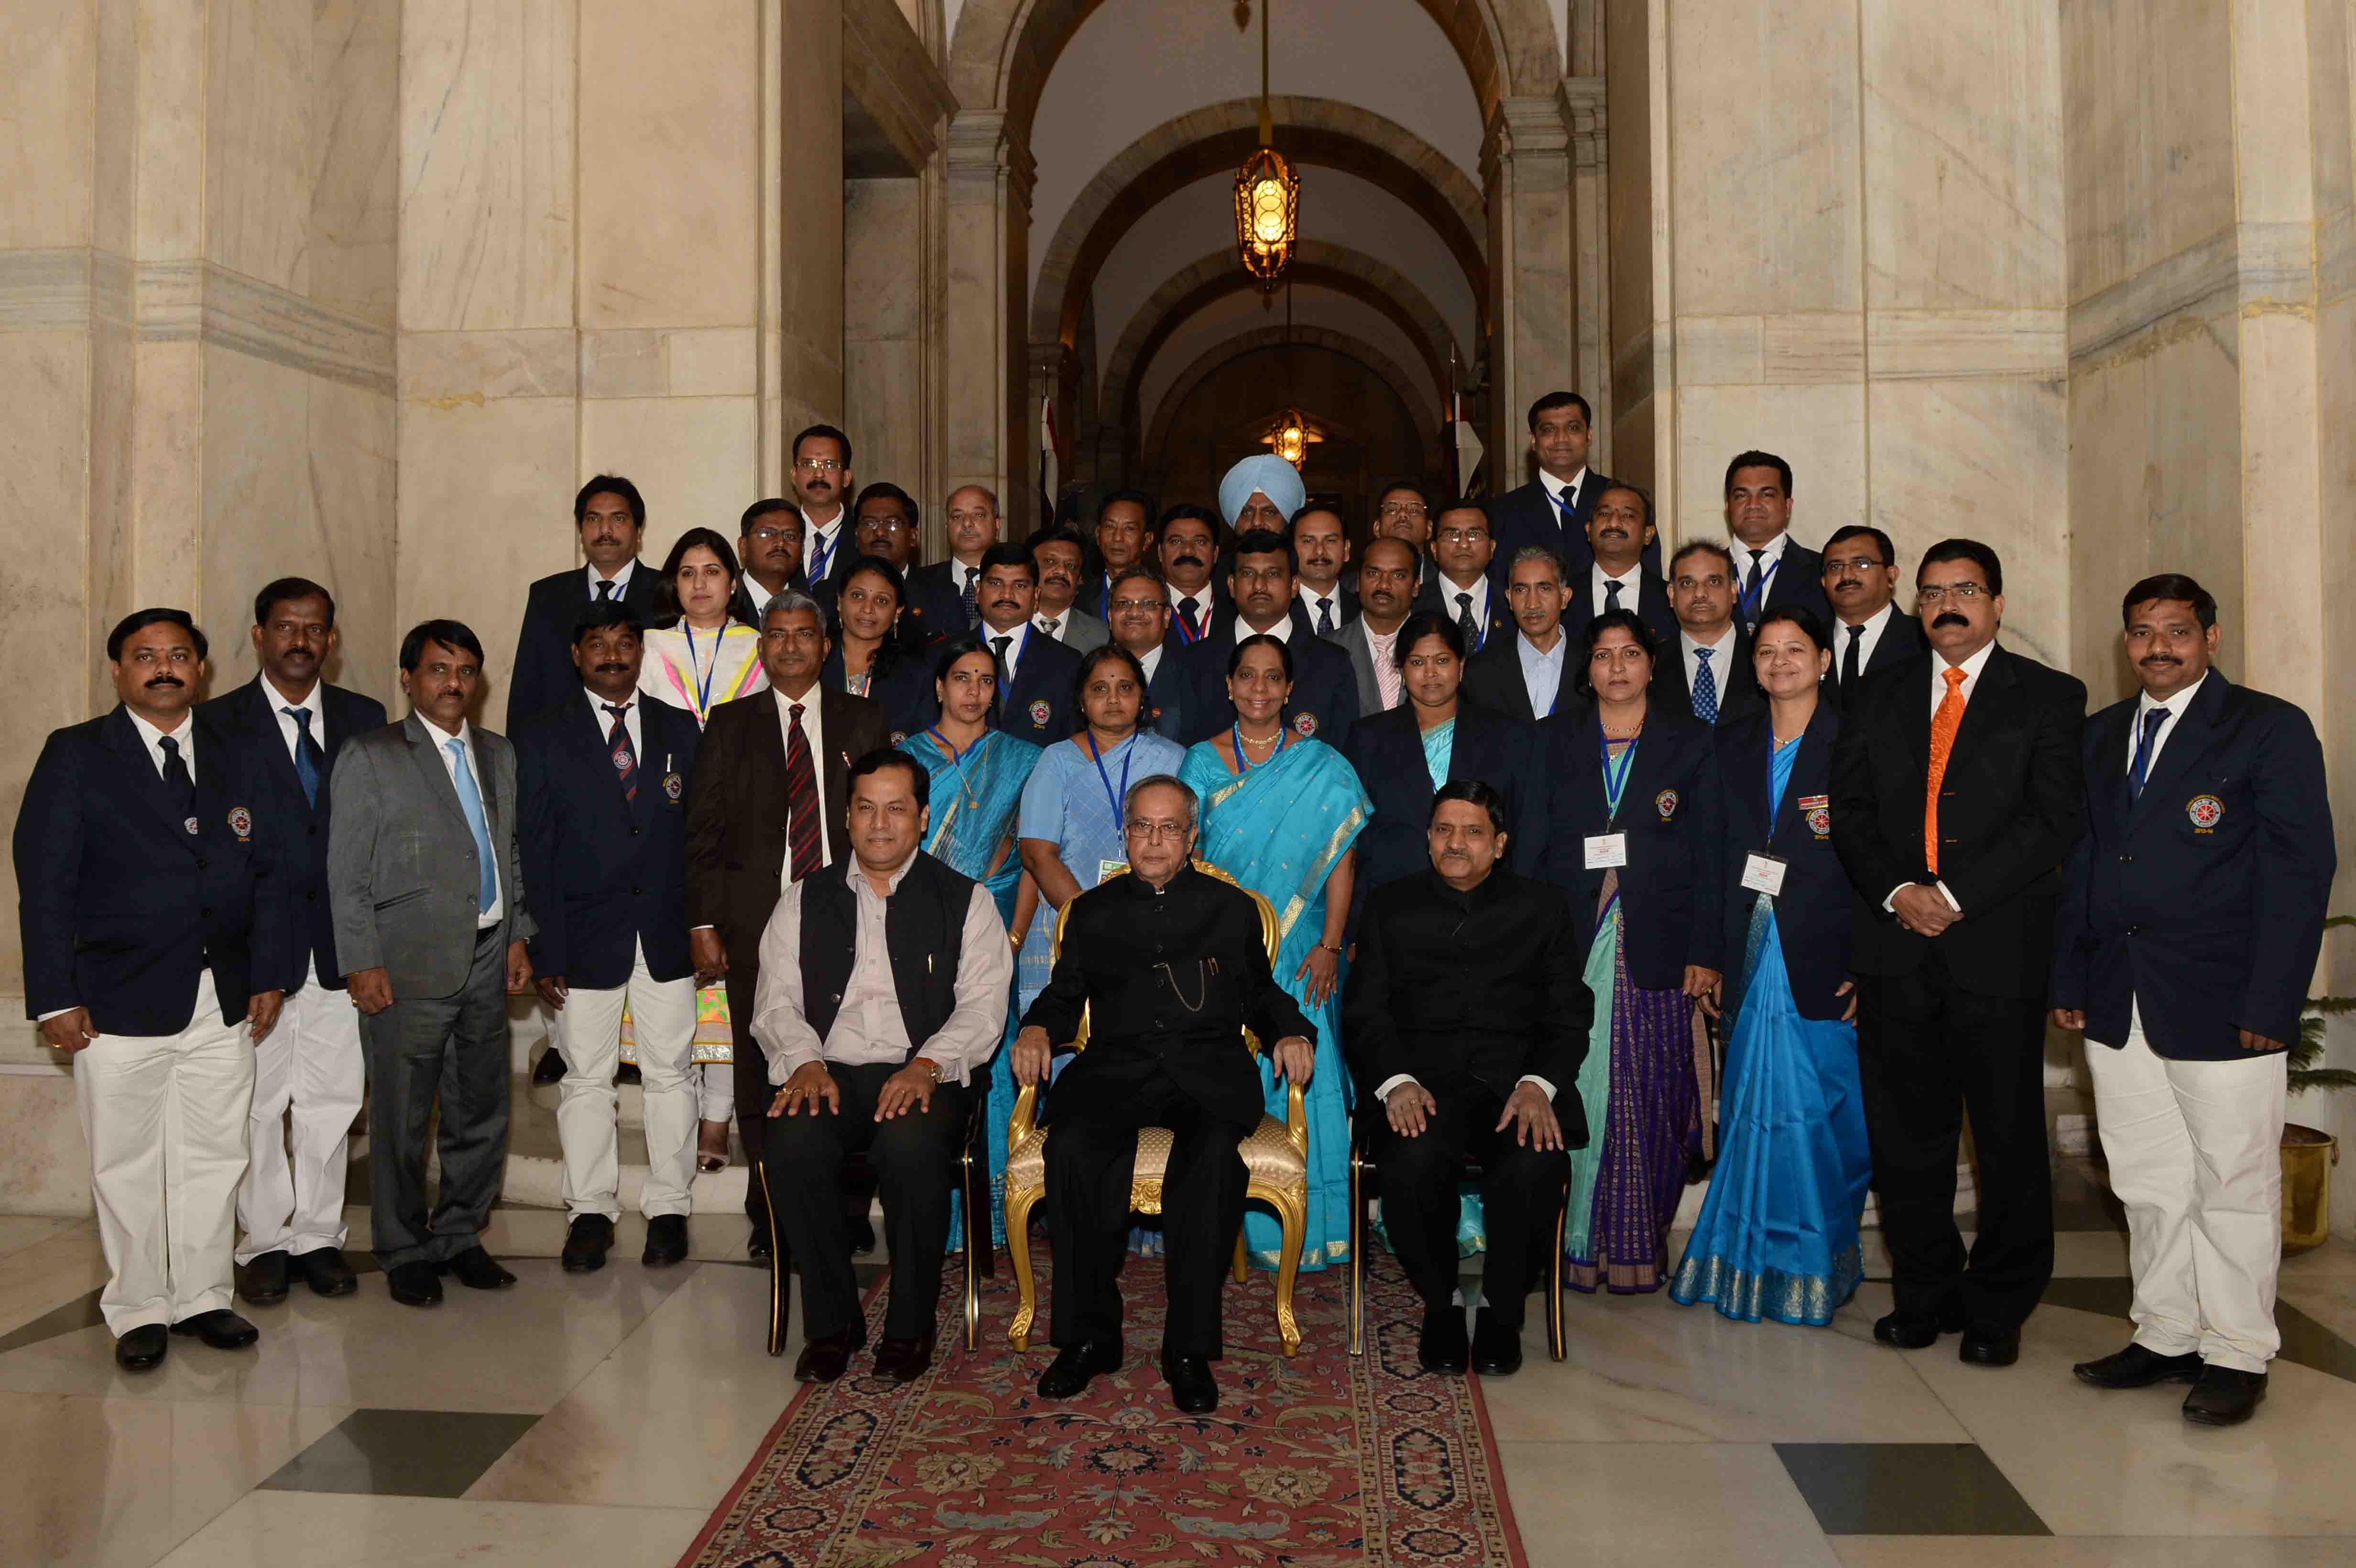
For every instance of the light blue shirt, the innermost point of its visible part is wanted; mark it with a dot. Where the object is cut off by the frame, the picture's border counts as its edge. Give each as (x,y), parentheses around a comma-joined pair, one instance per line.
(1541,673)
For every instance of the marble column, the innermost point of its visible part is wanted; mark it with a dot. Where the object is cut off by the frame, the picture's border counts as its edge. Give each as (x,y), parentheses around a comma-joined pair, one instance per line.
(1583,100)
(987,435)
(1526,172)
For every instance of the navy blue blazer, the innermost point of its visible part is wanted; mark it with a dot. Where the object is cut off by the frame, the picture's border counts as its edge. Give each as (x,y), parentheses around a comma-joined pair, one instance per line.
(1812,912)
(1439,596)
(1737,682)
(1325,688)
(1525,516)
(122,907)
(607,873)
(251,714)
(2204,900)
(936,595)
(543,658)
(1492,678)
(1901,640)
(1040,706)
(906,692)
(1671,895)
(1168,695)
(1652,607)
(1799,579)
(1387,749)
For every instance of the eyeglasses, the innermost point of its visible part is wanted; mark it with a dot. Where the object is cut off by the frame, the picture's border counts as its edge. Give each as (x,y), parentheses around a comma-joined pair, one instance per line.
(1856,563)
(817,465)
(1138,604)
(884,524)
(772,536)
(1962,594)
(1462,536)
(1154,832)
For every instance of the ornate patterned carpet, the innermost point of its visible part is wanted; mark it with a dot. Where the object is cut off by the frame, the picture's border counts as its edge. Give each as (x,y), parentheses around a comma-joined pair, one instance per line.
(1324,1461)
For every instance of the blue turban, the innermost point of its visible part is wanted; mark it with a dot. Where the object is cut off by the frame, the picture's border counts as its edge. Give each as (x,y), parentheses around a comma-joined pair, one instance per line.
(1268,474)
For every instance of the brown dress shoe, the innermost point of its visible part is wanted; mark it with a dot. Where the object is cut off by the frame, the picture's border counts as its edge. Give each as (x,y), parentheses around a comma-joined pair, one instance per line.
(904,1360)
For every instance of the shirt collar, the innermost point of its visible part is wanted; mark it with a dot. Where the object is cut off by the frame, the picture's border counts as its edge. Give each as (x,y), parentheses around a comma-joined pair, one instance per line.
(1971,667)
(442,737)
(1632,578)
(830,525)
(1151,660)
(1529,650)
(597,707)
(315,704)
(149,735)
(1693,642)
(620,579)
(2175,705)
(1872,624)
(855,874)
(1768,553)
(1553,489)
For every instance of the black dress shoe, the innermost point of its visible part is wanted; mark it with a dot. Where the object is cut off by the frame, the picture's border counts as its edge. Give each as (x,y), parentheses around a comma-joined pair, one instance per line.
(326,1273)
(262,1282)
(904,1360)
(2137,1367)
(221,1328)
(823,1360)
(1191,1388)
(549,1069)
(1906,1333)
(1496,1346)
(586,1241)
(2225,1397)
(627,1073)
(666,1241)
(758,1249)
(862,1237)
(1443,1345)
(417,1284)
(1075,1366)
(1989,1345)
(141,1350)
(477,1270)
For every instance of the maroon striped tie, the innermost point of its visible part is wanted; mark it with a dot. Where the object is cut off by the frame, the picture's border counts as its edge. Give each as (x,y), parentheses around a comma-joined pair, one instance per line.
(625,760)
(802,832)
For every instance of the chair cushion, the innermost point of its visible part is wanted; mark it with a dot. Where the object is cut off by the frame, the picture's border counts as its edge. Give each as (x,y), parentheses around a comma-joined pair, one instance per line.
(1269,1160)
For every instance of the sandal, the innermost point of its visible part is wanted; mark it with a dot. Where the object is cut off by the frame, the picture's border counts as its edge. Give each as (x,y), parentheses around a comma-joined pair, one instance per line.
(712,1146)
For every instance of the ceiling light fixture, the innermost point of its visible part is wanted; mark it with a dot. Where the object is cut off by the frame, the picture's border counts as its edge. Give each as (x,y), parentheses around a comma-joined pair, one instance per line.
(1268,193)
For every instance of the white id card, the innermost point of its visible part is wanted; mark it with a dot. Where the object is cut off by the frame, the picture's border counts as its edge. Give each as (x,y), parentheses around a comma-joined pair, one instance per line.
(1763,874)
(1605,850)
(1107,868)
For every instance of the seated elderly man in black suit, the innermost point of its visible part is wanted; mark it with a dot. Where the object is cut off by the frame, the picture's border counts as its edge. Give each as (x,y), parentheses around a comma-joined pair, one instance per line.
(1466,1013)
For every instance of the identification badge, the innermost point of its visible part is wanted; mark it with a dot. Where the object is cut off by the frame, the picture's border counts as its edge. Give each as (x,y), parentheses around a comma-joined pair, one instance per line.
(1107,869)
(1605,850)
(1763,874)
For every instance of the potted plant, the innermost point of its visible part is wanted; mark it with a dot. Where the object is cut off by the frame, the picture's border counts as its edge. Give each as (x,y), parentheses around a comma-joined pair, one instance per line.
(2309,1152)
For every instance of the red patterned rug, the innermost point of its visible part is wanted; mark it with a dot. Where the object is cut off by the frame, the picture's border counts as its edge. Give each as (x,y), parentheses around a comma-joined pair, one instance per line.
(1324,1461)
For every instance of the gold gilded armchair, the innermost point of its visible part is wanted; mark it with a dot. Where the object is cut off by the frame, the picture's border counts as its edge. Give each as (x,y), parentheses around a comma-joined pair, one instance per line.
(1275,1157)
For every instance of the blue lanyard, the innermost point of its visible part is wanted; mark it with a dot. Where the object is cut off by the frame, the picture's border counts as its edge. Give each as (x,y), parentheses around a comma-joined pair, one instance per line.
(1243,763)
(1615,773)
(1180,621)
(703,682)
(1751,602)
(1127,757)
(957,761)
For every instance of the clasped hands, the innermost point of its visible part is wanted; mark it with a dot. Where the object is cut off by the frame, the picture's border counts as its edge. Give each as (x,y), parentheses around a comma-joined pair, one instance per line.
(1410,1107)
(1295,1060)
(1923,909)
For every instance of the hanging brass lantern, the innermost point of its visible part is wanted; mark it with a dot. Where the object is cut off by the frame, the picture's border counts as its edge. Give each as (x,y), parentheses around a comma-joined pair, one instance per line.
(1289,436)
(1268,194)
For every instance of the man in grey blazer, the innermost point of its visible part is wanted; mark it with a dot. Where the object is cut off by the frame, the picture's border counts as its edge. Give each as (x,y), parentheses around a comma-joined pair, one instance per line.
(425,884)
(1055,558)
(1387,572)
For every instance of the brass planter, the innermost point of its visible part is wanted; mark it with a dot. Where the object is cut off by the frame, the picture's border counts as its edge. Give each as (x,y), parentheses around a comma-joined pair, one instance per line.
(2307,1156)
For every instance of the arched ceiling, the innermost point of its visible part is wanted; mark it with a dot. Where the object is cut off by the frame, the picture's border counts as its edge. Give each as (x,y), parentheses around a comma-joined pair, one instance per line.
(1227,350)
(1241,314)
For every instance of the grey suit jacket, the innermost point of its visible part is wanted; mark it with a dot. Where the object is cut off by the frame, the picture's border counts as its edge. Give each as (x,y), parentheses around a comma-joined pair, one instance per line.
(402,875)
(1351,637)
(1082,633)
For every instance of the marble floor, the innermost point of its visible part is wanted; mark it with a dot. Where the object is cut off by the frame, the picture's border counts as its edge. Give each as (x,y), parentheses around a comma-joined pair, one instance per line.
(577,1422)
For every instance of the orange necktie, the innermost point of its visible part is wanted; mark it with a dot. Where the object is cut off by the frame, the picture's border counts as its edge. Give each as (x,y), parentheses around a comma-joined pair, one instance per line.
(1943,725)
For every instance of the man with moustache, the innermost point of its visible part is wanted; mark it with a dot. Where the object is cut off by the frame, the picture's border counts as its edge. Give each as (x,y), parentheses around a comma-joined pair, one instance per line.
(1057,553)
(291,1206)
(948,592)
(1711,678)
(883,998)
(1619,533)
(1956,795)
(611,517)
(1140,622)
(157,952)
(1403,512)
(1461,548)
(1035,671)
(1553,509)
(425,878)
(1188,546)
(1124,537)
(821,476)
(1386,594)
(1861,582)
(2199,886)
(1770,567)
(886,525)
(769,544)
(1322,546)
(766,809)
(1324,692)
(1261,493)
(1528,676)
(603,786)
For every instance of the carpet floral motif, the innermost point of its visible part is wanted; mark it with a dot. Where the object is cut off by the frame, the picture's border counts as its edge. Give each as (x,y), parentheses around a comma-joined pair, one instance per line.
(1321,1461)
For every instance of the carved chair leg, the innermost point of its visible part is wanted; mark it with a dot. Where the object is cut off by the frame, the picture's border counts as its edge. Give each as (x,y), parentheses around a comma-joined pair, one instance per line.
(1018,1247)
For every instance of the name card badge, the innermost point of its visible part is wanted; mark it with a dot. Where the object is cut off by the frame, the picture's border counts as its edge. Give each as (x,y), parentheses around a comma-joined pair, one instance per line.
(1763,874)
(1109,868)
(1605,850)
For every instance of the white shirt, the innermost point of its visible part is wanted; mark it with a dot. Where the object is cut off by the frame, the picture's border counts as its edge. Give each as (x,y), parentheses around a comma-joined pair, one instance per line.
(630,707)
(484,919)
(1720,652)
(1971,667)
(1563,492)
(315,705)
(1867,639)
(824,539)
(1281,631)
(620,579)
(761,597)
(1769,555)
(813,733)
(1019,638)
(1150,661)
(867,1025)
(1455,612)
(185,738)
(2174,707)
(1630,587)
(1311,600)
(1541,673)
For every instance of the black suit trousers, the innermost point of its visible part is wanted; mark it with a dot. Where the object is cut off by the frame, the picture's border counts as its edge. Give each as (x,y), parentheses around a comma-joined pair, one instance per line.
(453,1050)
(754,1092)
(1929,1052)
(913,1158)
(1091,1161)
(1522,1190)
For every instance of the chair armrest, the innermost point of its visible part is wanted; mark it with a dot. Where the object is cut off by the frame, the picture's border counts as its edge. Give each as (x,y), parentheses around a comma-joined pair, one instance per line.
(1296,1119)
(1020,1124)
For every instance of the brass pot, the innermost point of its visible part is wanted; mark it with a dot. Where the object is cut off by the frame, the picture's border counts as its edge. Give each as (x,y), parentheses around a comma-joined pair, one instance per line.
(2307,1156)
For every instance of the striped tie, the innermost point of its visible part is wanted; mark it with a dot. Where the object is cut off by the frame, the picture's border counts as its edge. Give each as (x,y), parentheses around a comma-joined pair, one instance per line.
(802,833)
(625,758)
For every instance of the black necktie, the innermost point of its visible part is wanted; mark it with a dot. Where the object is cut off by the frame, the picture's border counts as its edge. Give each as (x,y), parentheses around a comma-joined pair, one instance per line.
(972,614)
(1187,614)
(1611,593)
(1324,617)
(1465,623)
(310,763)
(180,788)
(1005,678)
(1750,605)
(1851,654)
(604,590)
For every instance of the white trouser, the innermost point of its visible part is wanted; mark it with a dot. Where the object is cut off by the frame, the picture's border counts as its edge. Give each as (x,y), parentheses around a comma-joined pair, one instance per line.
(165,1118)
(589,1033)
(2195,1156)
(717,1097)
(312,1061)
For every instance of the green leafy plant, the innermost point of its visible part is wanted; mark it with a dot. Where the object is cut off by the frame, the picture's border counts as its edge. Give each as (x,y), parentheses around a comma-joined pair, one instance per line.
(2308,1048)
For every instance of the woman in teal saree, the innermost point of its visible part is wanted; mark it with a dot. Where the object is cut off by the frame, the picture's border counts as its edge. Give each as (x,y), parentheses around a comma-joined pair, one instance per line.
(1282,814)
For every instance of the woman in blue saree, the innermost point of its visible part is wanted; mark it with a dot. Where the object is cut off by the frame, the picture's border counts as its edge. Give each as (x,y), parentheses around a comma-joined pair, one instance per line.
(978,774)
(1282,814)
(1778,1233)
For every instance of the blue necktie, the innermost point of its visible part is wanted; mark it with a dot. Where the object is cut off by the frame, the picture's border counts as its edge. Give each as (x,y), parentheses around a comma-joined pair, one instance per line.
(2144,743)
(307,755)
(470,801)
(1705,692)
